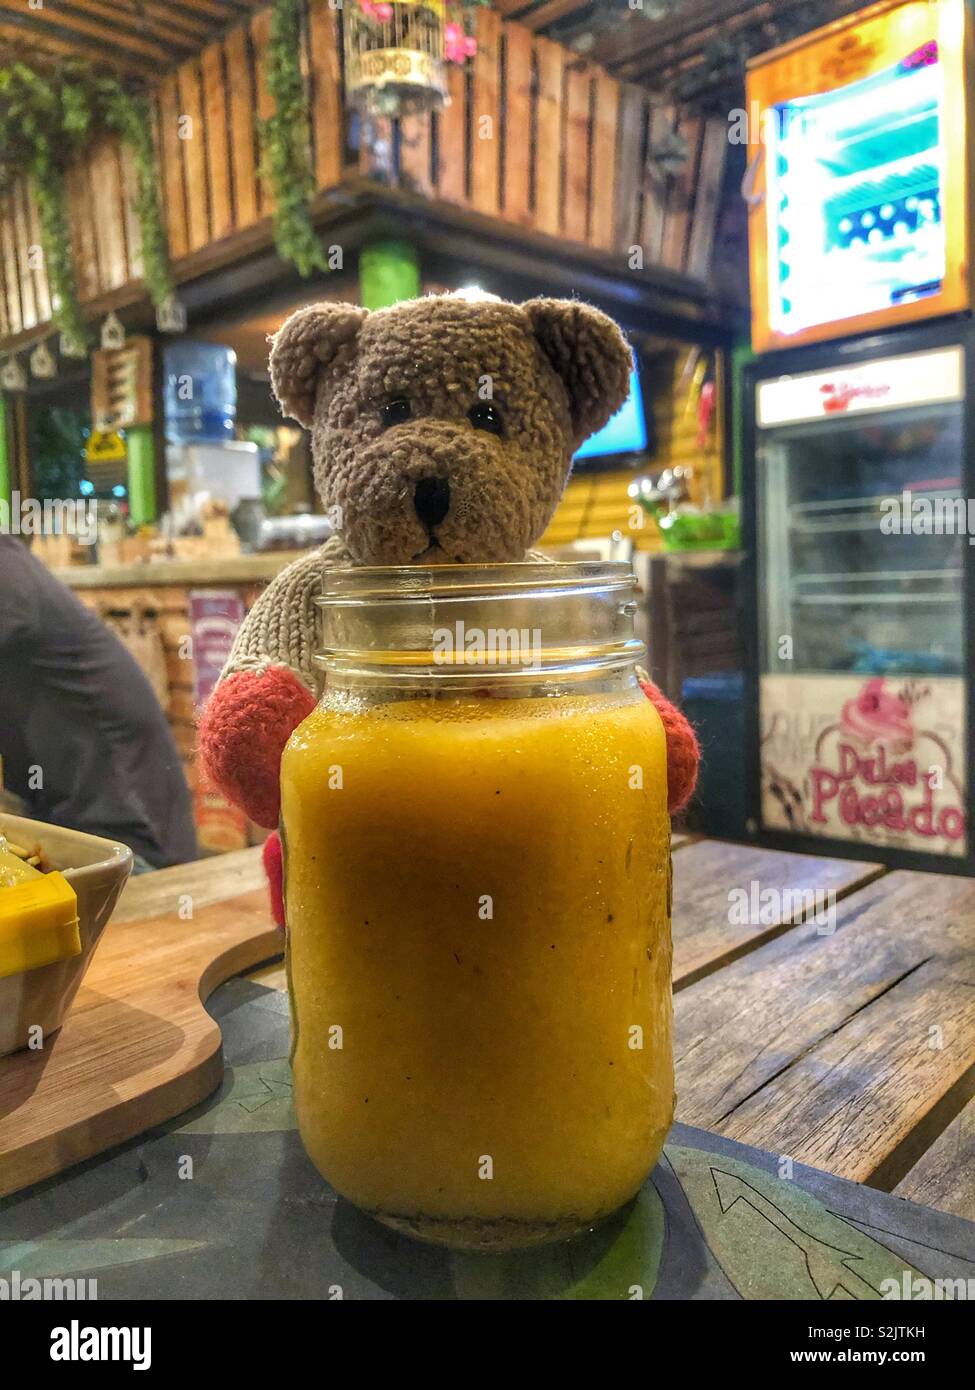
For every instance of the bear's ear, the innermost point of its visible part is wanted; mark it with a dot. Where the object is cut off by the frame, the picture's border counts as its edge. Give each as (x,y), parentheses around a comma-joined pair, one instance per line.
(313,344)
(591,356)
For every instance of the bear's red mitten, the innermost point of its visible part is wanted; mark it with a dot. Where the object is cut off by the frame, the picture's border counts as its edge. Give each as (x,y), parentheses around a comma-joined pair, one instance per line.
(243,729)
(274,868)
(683,749)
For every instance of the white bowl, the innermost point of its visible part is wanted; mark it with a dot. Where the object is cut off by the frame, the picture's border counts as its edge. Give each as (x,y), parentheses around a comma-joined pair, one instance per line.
(97,870)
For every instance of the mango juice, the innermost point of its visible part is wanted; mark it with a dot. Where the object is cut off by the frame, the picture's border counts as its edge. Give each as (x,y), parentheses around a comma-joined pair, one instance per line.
(479,958)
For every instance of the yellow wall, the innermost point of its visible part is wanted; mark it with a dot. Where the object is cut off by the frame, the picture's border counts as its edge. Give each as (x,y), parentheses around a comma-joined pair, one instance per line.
(596,504)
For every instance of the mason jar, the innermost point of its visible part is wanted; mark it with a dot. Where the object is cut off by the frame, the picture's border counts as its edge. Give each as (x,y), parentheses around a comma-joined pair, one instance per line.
(477,885)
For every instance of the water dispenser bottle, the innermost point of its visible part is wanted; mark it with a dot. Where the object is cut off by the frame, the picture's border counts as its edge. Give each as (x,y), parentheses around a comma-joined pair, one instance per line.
(200,392)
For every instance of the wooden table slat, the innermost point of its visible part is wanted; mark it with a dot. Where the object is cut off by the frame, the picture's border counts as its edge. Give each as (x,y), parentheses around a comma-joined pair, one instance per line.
(822,1046)
(710,880)
(944,1176)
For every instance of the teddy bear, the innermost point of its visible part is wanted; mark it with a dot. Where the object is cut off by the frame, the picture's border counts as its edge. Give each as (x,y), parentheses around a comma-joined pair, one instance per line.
(442,432)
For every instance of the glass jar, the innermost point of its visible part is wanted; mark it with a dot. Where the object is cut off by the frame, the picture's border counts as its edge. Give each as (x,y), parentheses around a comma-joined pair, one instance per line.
(477,883)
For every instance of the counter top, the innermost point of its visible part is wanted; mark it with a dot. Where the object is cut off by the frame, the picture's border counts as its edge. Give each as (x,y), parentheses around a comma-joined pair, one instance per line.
(242,569)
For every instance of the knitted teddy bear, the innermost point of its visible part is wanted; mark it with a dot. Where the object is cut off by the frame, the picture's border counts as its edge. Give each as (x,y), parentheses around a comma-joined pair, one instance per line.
(442,431)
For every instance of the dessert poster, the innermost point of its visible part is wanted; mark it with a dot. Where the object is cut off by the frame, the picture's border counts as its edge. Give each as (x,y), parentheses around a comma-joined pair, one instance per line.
(874,759)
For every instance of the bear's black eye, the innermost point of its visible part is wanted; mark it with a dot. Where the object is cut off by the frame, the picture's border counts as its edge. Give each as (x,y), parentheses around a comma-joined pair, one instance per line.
(396,412)
(486,417)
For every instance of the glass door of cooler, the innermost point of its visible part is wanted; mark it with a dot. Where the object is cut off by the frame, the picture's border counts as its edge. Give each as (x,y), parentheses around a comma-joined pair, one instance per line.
(853,594)
(863,528)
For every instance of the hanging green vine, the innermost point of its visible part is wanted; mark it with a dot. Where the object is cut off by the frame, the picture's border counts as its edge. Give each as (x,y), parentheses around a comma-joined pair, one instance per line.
(284,144)
(128,117)
(45,121)
(31,130)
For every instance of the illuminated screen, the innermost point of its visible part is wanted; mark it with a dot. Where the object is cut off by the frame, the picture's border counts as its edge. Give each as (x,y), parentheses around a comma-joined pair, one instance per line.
(855,193)
(626,433)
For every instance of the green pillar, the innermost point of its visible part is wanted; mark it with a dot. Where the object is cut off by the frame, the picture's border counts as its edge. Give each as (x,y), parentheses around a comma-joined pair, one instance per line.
(4,451)
(142,474)
(389,271)
(741,356)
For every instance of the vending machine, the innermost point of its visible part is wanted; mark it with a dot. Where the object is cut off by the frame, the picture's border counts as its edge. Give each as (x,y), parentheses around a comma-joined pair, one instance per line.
(858,470)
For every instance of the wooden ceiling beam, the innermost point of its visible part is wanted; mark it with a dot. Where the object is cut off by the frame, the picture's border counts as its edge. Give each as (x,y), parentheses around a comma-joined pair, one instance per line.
(215,11)
(667,55)
(638,34)
(686,52)
(152,17)
(224,11)
(510,9)
(66,23)
(551,12)
(54,50)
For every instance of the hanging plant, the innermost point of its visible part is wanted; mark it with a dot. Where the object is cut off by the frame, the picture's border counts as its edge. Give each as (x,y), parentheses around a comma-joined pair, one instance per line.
(283,141)
(31,127)
(45,121)
(128,117)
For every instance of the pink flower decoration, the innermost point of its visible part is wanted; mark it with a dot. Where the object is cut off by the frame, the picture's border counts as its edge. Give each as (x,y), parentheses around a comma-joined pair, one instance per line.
(374,10)
(457,44)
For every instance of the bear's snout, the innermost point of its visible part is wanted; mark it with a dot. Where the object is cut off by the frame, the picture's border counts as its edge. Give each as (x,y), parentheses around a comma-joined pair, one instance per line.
(431,500)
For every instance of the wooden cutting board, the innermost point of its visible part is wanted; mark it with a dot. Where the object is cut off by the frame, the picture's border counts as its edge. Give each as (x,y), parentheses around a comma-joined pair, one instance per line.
(138,1046)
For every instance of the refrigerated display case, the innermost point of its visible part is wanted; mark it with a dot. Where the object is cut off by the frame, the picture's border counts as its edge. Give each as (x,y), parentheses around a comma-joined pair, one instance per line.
(861,542)
(858,184)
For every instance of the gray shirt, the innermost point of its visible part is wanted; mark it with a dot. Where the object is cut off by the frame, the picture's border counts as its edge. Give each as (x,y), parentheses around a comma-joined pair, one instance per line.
(77,710)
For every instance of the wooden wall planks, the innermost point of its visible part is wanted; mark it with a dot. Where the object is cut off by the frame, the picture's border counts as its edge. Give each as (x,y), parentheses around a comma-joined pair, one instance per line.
(532,135)
(173,188)
(548,141)
(193,138)
(325,68)
(486,116)
(28,304)
(8,259)
(213,76)
(243,137)
(519,101)
(576,189)
(452,160)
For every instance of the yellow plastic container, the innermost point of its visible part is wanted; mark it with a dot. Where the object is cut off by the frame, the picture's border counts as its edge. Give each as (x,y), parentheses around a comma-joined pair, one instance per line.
(477,888)
(35,997)
(38,916)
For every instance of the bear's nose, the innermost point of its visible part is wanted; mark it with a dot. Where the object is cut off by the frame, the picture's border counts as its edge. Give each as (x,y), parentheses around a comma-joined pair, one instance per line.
(431,498)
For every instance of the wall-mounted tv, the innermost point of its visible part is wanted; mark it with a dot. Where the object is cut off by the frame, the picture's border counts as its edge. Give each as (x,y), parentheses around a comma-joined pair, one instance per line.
(626,435)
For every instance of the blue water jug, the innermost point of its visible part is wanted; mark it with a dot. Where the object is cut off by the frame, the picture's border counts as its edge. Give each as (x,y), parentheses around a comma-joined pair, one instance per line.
(200,392)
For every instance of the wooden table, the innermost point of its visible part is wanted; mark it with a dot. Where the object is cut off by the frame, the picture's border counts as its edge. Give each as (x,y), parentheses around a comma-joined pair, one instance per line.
(824,1008)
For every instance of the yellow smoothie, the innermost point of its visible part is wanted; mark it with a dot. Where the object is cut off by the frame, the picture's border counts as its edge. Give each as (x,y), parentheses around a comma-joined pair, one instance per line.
(480,958)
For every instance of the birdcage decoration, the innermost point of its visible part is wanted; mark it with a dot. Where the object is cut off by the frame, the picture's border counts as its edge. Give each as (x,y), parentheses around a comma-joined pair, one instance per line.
(395,61)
